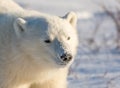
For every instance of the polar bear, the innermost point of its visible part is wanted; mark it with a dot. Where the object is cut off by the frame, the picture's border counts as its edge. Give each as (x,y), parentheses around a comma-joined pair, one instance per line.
(36,49)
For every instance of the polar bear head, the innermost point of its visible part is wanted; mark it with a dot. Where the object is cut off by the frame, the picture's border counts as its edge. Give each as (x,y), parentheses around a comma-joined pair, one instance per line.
(48,40)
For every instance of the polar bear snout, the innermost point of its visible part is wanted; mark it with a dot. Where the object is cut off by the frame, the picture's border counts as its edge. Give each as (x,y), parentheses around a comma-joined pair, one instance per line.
(66,57)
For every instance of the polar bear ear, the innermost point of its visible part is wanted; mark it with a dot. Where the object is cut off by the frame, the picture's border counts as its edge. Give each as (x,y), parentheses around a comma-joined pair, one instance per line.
(71,17)
(19,26)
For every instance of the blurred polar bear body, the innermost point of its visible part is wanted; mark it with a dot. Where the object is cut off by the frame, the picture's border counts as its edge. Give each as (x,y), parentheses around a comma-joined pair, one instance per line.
(36,49)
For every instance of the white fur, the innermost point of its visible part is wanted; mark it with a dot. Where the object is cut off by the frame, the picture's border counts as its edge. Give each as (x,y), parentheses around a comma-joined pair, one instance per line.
(26,61)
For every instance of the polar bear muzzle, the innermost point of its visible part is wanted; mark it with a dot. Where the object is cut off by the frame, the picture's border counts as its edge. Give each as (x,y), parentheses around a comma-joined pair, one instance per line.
(66,57)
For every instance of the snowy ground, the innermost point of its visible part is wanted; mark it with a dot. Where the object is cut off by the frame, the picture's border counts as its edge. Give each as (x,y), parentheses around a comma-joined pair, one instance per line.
(92,68)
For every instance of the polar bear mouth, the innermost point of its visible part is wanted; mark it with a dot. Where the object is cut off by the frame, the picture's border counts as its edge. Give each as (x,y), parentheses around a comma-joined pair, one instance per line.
(60,62)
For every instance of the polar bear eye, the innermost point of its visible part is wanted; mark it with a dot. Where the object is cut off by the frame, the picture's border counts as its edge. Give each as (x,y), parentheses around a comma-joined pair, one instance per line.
(47,41)
(68,38)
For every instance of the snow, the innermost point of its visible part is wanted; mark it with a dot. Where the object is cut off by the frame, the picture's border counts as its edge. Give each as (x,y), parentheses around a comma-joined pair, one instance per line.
(97,65)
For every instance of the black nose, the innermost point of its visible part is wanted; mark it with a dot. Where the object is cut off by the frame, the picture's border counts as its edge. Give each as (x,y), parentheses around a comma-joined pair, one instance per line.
(66,57)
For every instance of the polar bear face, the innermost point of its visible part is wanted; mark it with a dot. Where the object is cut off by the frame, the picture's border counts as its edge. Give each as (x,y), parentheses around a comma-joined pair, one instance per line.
(48,40)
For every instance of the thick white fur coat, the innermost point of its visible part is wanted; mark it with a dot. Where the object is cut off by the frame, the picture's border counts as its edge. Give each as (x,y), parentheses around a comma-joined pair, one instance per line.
(22,67)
